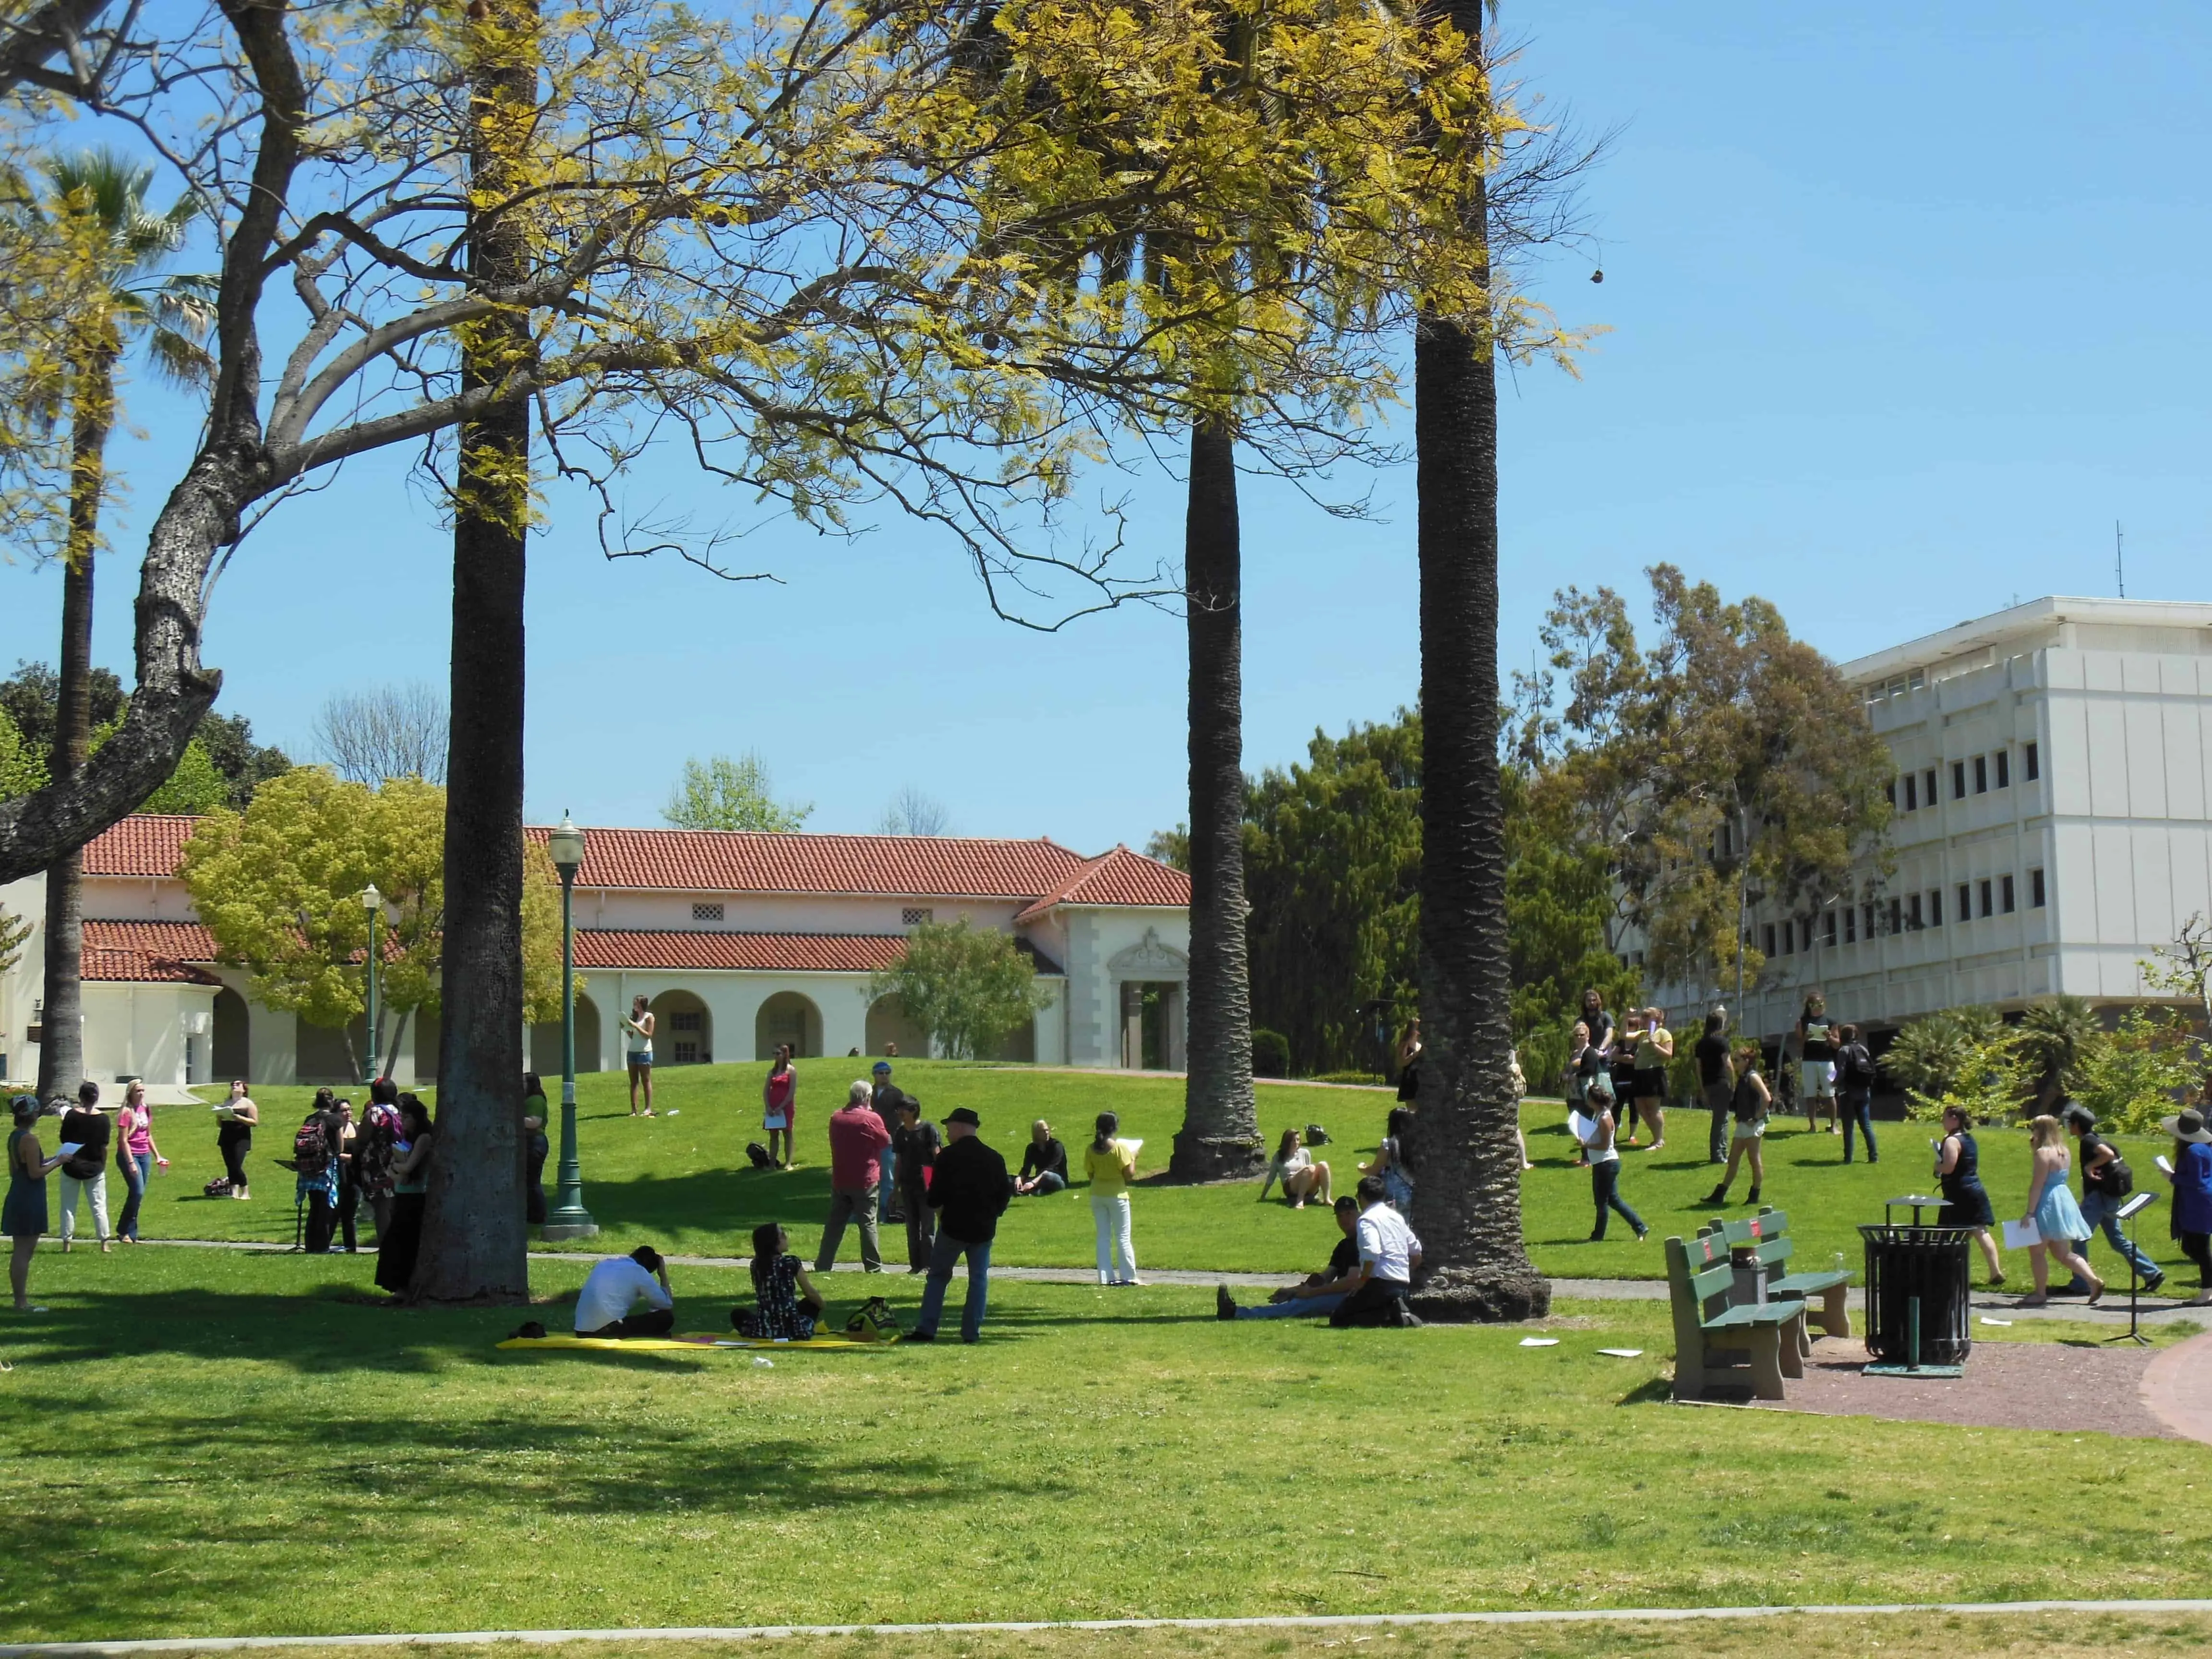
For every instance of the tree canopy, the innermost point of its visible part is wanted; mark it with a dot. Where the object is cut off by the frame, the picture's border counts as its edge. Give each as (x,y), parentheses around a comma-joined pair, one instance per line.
(224,745)
(967,986)
(722,793)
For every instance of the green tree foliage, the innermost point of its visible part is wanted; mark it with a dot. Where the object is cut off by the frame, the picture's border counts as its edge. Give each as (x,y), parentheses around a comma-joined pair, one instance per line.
(2183,968)
(2132,1077)
(1963,1057)
(967,986)
(28,702)
(195,788)
(2056,1036)
(722,793)
(22,768)
(279,886)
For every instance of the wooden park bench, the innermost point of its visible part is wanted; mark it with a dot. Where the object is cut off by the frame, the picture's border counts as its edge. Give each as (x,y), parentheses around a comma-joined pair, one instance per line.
(1714,1341)
(1761,1245)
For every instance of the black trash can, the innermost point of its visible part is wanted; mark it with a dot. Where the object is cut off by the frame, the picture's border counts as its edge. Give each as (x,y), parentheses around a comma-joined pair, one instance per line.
(1926,1265)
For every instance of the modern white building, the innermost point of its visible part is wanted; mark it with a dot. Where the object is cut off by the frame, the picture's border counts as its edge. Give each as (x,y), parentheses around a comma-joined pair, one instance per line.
(2053,823)
(739,941)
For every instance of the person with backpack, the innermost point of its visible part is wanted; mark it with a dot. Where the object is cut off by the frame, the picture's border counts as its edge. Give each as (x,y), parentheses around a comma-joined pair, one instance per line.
(316,1144)
(85,1170)
(375,1149)
(2106,1181)
(1855,1075)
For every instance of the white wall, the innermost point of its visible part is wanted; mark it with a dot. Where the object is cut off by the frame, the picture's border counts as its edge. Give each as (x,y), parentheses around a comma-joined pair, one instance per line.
(745,912)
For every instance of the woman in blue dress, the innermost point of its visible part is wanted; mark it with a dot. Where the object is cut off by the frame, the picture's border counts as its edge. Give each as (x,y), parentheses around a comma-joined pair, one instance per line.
(23,1215)
(2054,1216)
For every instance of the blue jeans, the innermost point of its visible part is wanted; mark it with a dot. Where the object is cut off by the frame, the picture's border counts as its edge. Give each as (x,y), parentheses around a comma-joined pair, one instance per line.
(943,1254)
(137,1170)
(1858,1109)
(887,1189)
(1304,1307)
(1605,1188)
(2097,1211)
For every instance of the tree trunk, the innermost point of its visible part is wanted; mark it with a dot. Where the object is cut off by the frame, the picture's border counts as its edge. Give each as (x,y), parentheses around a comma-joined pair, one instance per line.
(61,1043)
(1220,1135)
(1464,1158)
(475,1244)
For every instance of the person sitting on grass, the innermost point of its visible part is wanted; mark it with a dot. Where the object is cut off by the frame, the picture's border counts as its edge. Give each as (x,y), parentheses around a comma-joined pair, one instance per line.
(619,1284)
(1303,1175)
(1389,1254)
(1748,1103)
(790,1306)
(1317,1295)
(1044,1164)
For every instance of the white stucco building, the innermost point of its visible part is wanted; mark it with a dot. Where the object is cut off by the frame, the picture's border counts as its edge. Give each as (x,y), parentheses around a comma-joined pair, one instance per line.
(2053,823)
(740,942)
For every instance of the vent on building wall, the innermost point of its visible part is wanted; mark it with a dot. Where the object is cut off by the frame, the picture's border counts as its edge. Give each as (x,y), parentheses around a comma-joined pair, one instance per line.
(705,913)
(917,915)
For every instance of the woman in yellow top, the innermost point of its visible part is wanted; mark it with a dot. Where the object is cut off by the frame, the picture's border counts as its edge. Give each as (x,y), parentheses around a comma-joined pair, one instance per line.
(1111,1165)
(1654,1047)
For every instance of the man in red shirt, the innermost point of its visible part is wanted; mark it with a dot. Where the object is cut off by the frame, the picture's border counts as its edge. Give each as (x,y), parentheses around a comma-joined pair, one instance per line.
(857,1138)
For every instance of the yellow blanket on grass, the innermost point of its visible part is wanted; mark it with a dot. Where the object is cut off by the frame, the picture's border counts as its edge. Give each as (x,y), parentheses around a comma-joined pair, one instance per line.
(691,1342)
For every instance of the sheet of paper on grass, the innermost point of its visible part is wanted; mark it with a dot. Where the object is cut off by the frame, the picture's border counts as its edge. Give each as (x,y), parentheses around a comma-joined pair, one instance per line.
(2018,1235)
(1623,1354)
(1986,1320)
(1540,1342)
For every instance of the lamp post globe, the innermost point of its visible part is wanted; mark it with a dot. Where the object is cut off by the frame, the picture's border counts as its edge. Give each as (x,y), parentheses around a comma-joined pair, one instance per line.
(373,901)
(569,1218)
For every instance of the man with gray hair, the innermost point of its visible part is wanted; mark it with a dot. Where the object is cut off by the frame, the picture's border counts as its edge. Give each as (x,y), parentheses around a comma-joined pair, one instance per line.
(857,1140)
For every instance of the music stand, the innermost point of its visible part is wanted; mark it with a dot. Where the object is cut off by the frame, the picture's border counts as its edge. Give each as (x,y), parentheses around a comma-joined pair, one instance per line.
(2128,1212)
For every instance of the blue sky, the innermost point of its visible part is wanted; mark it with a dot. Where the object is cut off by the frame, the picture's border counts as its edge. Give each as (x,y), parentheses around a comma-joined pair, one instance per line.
(1905,310)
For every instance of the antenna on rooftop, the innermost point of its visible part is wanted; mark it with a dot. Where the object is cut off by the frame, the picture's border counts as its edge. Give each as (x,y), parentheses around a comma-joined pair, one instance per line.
(2119,562)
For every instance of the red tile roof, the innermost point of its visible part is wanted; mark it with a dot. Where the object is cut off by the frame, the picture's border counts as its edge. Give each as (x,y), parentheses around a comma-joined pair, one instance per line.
(147,952)
(143,844)
(818,953)
(1119,877)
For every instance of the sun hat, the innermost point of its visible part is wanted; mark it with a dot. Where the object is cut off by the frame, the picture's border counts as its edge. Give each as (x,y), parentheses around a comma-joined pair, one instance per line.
(2186,1126)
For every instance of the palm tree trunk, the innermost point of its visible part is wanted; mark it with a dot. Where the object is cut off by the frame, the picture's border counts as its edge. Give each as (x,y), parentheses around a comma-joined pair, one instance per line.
(1220,1135)
(61,1043)
(1463,1156)
(475,1244)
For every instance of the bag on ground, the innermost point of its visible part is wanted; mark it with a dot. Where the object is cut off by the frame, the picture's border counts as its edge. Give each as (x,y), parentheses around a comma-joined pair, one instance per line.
(872,1319)
(756,1155)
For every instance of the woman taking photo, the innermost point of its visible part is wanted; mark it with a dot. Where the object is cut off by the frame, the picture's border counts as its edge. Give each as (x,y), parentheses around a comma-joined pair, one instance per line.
(779,1106)
(1295,1167)
(637,1042)
(233,1138)
(23,1215)
(2054,1216)
(1966,1200)
(1110,1165)
(402,1240)
(1748,1106)
(135,1156)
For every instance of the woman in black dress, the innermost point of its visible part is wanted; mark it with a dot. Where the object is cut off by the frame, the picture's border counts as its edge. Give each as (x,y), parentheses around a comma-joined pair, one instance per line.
(1966,1200)
(401,1241)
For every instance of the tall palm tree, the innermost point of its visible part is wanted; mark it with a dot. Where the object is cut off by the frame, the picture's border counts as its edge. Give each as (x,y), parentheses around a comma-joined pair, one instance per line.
(1467,1169)
(92,210)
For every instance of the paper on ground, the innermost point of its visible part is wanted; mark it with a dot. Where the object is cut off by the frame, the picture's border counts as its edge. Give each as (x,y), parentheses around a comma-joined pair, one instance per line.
(1623,1354)
(1540,1342)
(1986,1320)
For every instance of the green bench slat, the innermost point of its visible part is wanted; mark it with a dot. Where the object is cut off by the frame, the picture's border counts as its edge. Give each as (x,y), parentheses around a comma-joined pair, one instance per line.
(1815,1282)
(1769,1313)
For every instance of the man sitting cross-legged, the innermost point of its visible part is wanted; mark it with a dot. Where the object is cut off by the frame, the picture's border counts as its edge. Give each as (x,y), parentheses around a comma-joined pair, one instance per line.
(1388,1256)
(1318,1294)
(618,1283)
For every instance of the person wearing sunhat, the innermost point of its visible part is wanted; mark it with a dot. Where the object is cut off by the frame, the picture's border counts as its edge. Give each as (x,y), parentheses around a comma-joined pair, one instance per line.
(2192,1177)
(970,1191)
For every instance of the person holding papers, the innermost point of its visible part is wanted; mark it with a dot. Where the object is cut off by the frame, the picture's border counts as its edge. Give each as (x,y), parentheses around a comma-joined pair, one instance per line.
(1110,1165)
(619,1284)
(2189,1170)
(23,1216)
(2052,1224)
(1966,1200)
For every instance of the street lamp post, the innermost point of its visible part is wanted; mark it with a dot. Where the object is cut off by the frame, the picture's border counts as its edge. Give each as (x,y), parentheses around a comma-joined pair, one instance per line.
(569,1218)
(373,901)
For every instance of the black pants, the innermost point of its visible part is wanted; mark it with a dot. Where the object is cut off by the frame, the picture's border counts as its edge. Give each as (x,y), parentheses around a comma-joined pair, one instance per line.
(920,1230)
(533,1196)
(2197,1247)
(322,1222)
(348,1202)
(234,1143)
(1375,1303)
(653,1321)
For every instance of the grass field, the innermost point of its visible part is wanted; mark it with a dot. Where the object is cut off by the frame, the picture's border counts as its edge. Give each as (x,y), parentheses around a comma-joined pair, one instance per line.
(205,1442)
(682,1181)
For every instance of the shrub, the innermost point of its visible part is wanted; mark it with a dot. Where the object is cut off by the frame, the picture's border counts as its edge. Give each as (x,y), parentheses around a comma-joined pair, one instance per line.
(2133,1076)
(1271,1053)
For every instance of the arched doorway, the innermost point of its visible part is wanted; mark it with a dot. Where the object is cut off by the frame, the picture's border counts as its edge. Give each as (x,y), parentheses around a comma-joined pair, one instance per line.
(545,1042)
(891,1031)
(234,1037)
(787,1017)
(683,1031)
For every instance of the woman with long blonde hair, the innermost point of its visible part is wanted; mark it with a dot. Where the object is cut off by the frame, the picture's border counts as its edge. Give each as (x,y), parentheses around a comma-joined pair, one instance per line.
(2053,1213)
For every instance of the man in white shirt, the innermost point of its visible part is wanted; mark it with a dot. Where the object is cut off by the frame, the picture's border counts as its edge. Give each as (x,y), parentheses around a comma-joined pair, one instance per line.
(618,1283)
(1389,1253)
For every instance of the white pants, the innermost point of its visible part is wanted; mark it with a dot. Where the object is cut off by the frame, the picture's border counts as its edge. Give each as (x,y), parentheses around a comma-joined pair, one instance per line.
(96,1189)
(1117,1256)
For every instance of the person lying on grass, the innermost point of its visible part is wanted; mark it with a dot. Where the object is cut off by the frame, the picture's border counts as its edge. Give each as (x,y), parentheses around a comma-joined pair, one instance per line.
(790,1306)
(1317,1295)
(619,1284)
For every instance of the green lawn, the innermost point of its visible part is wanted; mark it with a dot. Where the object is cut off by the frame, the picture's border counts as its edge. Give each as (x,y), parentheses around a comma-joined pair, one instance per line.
(681,1183)
(201,1442)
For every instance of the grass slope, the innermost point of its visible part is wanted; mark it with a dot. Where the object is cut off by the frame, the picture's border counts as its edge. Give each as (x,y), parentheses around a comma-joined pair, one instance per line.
(203,1442)
(681,1183)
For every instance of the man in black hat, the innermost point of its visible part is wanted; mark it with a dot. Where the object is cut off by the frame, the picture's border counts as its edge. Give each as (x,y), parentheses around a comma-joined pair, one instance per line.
(969,1192)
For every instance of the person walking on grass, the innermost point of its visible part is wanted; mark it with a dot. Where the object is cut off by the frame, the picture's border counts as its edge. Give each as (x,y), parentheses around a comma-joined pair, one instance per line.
(780,1107)
(135,1156)
(613,1289)
(1317,1295)
(2106,1181)
(637,1047)
(915,1143)
(1389,1254)
(2191,1178)
(1110,1165)
(1655,1051)
(1605,1163)
(399,1238)
(1855,1075)
(789,1305)
(1747,1106)
(85,1128)
(1044,1164)
(970,1192)
(1816,1061)
(1966,1200)
(23,1215)
(857,1140)
(233,1138)
(1303,1175)
(2054,1215)
(1715,1085)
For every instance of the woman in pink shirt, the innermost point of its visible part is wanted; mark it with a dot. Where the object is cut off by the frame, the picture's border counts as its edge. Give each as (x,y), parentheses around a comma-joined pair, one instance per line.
(135,1155)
